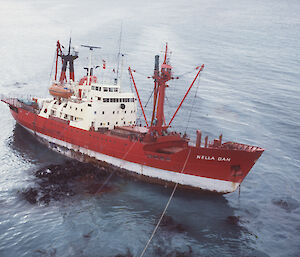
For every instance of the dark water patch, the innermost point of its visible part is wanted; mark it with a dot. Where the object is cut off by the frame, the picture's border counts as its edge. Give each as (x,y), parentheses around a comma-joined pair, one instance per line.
(288,204)
(57,181)
(168,223)
(233,220)
(175,253)
(26,147)
(30,195)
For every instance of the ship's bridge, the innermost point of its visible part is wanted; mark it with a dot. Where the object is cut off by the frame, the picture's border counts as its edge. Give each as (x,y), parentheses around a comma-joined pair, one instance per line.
(101,105)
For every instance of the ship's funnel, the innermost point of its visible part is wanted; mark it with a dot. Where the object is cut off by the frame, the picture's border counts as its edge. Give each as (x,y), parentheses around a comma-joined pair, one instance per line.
(156,63)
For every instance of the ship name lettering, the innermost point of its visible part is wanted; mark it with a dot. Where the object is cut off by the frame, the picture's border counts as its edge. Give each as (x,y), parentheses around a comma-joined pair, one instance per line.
(206,158)
(223,159)
(212,158)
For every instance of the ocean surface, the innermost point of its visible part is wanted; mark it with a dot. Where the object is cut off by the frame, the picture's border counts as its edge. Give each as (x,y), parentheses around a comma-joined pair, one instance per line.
(249,91)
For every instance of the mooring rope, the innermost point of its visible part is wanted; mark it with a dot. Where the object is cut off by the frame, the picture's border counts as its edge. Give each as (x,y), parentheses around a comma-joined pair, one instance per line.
(164,211)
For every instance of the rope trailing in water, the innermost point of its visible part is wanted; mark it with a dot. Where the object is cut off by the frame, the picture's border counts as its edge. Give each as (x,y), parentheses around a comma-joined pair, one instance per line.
(164,211)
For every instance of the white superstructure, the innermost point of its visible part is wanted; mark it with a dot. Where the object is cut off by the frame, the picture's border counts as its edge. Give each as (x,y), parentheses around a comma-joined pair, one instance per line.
(100,106)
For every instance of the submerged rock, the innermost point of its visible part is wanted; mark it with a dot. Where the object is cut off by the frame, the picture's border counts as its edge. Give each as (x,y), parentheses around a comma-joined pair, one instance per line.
(233,220)
(288,204)
(30,195)
(169,223)
(174,253)
(56,181)
(88,235)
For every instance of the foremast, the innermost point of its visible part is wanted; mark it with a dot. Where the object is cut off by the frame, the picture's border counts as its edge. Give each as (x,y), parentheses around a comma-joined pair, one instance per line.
(66,59)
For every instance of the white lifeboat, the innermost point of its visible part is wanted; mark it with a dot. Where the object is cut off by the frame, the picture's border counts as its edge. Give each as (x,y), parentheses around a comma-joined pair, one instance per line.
(60,91)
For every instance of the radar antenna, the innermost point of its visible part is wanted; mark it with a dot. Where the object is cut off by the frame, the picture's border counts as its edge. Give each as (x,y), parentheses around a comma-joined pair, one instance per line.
(91,48)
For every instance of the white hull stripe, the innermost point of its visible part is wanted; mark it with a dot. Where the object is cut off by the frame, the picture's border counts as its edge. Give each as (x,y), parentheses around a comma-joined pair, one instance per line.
(209,184)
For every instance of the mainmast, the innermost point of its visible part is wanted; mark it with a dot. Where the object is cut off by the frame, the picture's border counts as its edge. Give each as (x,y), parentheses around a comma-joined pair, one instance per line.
(160,79)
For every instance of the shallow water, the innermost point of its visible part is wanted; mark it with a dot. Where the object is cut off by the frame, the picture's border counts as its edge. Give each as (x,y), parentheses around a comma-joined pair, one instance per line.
(249,91)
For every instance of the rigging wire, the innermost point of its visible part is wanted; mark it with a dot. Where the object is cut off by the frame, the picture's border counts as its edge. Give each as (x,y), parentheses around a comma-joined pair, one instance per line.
(142,74)
(131,87)
(190,114)
(119,52)
(52,67)
(146,104)
(185,73)
(165,209)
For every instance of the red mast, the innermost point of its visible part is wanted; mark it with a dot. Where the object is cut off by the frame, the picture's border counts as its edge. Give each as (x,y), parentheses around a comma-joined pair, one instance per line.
(58,53)
(160,87)
(158,123)
(137,93)
(69,58)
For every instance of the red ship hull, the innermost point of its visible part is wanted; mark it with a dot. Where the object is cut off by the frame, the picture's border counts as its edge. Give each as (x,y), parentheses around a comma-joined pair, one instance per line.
(219,169)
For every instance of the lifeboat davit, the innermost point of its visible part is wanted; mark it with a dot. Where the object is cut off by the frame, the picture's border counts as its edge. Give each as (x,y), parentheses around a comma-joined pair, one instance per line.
(60,91)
